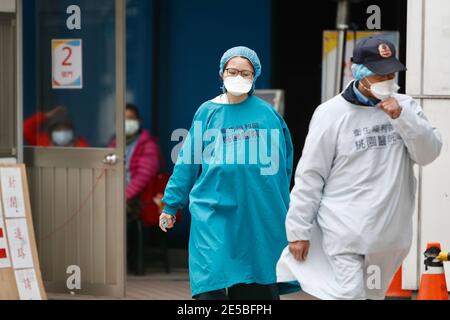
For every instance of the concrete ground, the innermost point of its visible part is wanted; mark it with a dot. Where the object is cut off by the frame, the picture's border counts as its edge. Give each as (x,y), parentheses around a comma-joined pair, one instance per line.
(174,286)
(157,285)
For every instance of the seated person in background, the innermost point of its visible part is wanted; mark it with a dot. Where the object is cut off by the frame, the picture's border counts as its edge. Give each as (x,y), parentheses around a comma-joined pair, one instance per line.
(52,129)
(142,164)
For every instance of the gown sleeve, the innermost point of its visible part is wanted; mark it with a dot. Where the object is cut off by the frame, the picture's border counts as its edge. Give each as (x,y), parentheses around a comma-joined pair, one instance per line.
(289,147)
(310,177)
(188,166)
(424,143)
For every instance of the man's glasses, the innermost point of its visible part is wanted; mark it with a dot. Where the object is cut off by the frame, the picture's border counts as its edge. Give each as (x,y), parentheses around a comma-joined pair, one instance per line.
(246,74)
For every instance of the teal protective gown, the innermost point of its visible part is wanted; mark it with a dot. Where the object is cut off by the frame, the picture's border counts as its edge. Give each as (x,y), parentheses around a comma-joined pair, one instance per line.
(234,170)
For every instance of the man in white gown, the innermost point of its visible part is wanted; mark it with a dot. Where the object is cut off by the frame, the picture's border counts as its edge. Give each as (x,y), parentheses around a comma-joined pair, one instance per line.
(349,223)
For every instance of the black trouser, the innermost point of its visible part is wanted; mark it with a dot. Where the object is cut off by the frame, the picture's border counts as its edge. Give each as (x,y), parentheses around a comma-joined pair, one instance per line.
(251,291)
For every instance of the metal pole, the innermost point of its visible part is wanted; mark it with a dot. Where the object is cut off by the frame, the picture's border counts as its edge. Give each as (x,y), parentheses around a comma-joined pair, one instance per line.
(342,18)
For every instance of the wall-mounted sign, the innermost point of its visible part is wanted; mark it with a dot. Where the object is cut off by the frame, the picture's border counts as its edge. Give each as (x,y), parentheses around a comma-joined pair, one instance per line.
(67,64)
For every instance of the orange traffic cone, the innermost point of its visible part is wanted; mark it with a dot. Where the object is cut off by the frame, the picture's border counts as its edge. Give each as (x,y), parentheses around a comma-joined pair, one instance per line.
(395,290)
(433,285)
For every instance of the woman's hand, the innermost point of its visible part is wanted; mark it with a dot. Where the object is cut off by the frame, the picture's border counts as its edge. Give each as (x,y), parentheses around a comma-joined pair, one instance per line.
(166,221)
(299,249)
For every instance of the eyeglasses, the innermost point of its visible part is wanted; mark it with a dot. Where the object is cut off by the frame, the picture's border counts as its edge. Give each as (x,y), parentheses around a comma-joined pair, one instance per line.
(246,74)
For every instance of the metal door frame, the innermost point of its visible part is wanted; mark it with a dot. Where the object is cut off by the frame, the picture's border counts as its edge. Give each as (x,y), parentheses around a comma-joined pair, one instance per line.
(7,154)
(19,82)
(120,23)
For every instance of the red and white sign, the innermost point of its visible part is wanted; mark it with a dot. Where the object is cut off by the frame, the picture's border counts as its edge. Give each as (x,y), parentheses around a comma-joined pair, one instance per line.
(67,64)
(12,192)
(5,262)
(19,243)
(27,284)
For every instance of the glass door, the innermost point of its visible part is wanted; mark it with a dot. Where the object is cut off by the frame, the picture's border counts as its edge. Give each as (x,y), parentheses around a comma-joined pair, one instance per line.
(73,114)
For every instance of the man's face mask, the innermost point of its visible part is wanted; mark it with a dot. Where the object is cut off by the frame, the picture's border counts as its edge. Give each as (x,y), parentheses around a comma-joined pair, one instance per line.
(62,137)
(384,89)
(131,127)
(237,86)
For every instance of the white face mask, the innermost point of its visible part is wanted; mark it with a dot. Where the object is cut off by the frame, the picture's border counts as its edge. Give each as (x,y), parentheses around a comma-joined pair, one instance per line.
(62,137)
(237,86)
(384,89)
(131,127)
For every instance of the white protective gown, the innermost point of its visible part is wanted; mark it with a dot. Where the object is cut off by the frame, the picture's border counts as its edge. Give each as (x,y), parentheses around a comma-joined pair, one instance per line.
(354,197)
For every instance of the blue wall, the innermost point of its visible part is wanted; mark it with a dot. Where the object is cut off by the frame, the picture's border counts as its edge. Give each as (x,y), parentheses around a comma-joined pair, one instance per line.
(30,57)
(140,57)
(195,35)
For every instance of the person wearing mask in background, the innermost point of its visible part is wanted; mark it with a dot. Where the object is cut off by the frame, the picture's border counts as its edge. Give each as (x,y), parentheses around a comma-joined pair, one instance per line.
(349,225)
(142,161)
(52,129)
(238,210)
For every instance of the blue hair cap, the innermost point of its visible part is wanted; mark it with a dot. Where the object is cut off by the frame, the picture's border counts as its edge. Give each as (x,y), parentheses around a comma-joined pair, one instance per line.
(360,71)
(242,52)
